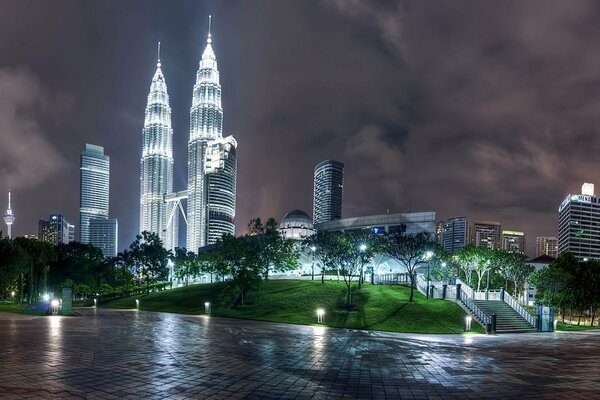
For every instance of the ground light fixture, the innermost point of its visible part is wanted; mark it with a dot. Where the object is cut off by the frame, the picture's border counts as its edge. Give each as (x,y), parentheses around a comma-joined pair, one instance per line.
(207,307)
(468,320)
(320,316)
(137,304)
(55,304)
(12,294)
(95,302)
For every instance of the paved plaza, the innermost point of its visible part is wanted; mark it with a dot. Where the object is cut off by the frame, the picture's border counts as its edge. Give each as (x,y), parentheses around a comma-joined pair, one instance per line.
(107,354)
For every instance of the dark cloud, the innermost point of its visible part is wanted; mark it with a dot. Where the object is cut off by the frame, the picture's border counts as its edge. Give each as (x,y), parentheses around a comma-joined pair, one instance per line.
(484,109)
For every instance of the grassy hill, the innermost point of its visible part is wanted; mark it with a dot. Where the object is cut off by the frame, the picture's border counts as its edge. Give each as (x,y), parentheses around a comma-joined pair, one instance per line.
(377,307)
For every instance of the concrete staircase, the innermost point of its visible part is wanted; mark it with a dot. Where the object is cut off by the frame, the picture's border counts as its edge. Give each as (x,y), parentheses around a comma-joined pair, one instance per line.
(507,319)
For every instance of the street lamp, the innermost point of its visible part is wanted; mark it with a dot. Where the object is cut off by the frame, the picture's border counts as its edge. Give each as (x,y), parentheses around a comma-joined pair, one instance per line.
(428,256)
(170,264)
(313,249)
(362,248)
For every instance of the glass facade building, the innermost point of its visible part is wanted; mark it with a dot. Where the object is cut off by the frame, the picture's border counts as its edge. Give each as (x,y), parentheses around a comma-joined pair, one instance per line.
(485,234)
(56,230)
(579,225)
(513,241)
(328,191)
(156,165)
(212,165)
(94,189)
(104,235)
(452,233)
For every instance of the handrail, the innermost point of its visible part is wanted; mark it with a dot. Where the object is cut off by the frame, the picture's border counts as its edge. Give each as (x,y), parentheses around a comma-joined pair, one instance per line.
(514,304)
(469,302)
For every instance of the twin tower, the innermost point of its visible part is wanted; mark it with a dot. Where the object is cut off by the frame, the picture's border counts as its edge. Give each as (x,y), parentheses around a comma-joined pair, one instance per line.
(212,164)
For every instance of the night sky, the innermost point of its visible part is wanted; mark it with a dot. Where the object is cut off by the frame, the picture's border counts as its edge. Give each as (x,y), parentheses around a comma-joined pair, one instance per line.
(484,109)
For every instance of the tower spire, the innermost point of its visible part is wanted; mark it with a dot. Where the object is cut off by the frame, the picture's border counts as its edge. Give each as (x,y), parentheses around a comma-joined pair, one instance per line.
(209,40)
(158,62)
(9,218)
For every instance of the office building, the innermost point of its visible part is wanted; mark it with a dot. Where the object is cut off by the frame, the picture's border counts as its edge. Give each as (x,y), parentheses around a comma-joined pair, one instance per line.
(56,230)
(452,233)
(328,192)
(221,168)
(579,224)
(545,245)
(94,189)
(485,234)
(104,234)
(211,184)
(156,164)
(513,241)
(409,223)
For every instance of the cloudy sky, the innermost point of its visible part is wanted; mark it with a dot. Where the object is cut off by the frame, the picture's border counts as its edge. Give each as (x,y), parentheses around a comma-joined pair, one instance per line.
(484,109)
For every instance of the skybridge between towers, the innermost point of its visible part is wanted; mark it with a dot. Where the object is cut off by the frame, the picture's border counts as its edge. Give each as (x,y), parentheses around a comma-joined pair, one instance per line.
(174,200)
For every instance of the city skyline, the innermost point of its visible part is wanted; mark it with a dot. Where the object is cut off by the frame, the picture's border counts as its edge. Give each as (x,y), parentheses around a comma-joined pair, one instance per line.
(380,129)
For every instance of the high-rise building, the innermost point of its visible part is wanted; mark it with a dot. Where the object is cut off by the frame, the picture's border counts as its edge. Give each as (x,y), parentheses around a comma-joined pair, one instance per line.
(545,245)
(56,230)
(328,192)
(94,178)
(579,224)
(453,233)
(513,241)
(485,234)
(211,186)
(104,235)
(9,218)
(221,167)
(156,164)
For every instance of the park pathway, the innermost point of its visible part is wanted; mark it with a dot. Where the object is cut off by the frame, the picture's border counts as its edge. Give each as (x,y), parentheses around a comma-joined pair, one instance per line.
(109,354)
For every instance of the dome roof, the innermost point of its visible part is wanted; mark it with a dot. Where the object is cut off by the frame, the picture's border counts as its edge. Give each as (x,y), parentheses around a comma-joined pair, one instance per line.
(296,219)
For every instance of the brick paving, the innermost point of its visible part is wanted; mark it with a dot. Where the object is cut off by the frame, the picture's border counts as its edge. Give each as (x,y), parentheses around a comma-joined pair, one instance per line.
(108,354)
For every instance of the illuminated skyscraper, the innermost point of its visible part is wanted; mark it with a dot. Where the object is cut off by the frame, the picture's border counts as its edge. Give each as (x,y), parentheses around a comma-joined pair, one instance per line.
(9,218)
(486,234)
(546,246)
(56,230)
(93,188)
(578,224)
(453,234)
(513,241)
(156,179)
(328,194)
(211,160)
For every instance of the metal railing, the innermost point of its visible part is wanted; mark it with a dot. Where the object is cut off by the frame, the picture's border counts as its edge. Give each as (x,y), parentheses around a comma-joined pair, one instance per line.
(487,295)
(511,301)
(469,302)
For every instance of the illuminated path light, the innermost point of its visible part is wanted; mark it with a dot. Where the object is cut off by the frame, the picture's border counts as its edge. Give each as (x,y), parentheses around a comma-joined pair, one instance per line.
(179,356)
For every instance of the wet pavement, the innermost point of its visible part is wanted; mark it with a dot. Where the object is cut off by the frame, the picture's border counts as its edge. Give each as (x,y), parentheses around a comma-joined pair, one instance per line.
(108,354)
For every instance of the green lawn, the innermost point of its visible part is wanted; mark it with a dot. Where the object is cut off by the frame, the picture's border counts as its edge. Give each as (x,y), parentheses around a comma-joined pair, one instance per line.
(12,308)
(379,307)
(566,327)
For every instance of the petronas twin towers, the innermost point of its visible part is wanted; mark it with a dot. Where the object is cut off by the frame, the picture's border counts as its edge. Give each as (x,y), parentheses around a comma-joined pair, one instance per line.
(212,164)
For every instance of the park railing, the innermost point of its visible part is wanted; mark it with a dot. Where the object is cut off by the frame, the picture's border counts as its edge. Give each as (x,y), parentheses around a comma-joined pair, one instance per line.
(495,295)
(469,302)
(511,301)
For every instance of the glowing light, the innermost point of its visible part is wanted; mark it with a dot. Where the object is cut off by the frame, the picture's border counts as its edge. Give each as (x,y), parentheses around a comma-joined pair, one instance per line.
(46,297)
(320,315)
(444,265)
(363,247)
(137,304)
(207,307)
(55,303)
(468,320)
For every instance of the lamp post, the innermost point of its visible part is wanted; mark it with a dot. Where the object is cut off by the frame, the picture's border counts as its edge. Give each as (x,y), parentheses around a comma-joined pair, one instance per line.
(362,248)
(312,250)
(428,256)
(170,264)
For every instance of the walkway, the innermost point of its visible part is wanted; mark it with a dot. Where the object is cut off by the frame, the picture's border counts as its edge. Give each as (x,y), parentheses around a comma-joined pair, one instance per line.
(130,355)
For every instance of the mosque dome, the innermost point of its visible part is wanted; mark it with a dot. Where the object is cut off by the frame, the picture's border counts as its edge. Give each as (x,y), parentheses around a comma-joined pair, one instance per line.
(296,225)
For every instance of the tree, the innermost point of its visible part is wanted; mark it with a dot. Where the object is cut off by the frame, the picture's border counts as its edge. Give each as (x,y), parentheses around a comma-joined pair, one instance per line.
(242,259)
(315,245)
(475,259)
(275,253)
(151,258)
(38,256)
(409,250)
(185,264)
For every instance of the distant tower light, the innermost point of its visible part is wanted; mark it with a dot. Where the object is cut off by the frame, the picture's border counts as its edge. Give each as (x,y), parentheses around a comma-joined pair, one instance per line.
(9,218)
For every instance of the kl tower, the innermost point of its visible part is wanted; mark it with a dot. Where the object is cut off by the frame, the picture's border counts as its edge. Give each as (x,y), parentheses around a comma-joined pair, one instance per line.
(9,218)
